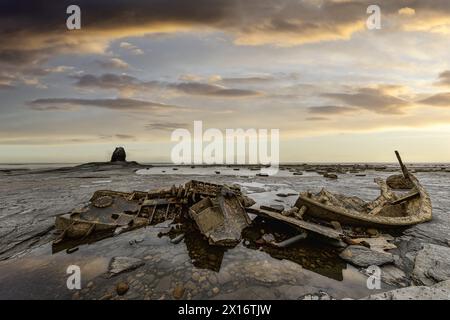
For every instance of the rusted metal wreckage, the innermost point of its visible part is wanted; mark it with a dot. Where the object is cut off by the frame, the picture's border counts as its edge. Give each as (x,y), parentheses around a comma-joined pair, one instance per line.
(220,212)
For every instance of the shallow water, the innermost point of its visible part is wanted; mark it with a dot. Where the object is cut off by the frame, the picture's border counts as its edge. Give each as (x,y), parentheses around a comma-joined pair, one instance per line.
(285,274)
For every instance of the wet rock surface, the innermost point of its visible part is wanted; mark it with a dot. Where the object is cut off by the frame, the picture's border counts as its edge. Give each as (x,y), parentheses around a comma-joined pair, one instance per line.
(432,264)
(123,264)
(364,257)
(440,291)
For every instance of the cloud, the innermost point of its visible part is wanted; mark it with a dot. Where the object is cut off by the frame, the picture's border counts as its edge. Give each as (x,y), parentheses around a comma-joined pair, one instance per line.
(406,11)
(125,136)
(261,79)
(125,84)
(113,63)
(316,119)
(438,100)
(6,81)
(330,110)
(373,99)
(32,30)
(443,79)
(166,126)
(134,49)
(128,84)
(11,76)
(50,104)
(204,89)
(190,77)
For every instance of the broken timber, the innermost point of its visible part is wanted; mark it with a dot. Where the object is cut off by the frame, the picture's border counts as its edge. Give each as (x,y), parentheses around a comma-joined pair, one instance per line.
(326,232)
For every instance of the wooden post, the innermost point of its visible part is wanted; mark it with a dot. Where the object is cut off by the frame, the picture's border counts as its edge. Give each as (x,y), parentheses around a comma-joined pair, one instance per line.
(402,166)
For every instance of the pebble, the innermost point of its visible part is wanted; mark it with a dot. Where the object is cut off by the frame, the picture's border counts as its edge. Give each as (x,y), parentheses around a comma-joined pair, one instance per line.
(76,295)
(212,279)
(178,292)
(122,288)
(195,276)
(150,278)
(215,290)
(72,250)
(90,284)
(107,296)
(268,237)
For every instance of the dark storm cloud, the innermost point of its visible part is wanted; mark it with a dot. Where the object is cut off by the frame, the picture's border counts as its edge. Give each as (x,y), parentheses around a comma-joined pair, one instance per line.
(372,99)
(113,104)
(438,100)
(32,30)
(330,110)
(129,83)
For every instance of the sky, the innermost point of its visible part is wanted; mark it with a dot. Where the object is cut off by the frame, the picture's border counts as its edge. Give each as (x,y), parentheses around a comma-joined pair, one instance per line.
(137,70)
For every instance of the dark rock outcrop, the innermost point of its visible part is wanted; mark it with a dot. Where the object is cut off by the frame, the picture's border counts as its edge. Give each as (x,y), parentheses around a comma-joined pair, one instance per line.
(119,155)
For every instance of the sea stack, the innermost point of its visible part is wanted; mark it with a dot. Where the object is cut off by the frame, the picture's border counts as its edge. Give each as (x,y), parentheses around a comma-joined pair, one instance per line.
(119,154)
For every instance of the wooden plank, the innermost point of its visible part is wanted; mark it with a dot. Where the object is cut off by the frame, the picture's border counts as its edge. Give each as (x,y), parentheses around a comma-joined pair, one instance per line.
(406,197)
(304,225)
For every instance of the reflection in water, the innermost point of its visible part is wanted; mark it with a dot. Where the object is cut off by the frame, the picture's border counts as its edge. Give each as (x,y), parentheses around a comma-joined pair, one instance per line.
(68,244)
(311,255)
(202,254)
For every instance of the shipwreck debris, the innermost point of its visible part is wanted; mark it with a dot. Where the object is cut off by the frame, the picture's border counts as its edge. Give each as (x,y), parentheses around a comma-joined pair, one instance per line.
(221,219)
(388,210)
(110,212)
(398,181)
(211,217)
(331,234)
(292,240)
